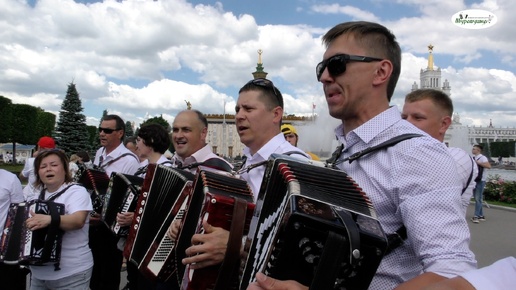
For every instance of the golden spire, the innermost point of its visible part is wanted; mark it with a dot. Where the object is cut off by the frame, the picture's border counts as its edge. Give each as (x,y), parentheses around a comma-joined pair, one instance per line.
(430,57)
(260,56)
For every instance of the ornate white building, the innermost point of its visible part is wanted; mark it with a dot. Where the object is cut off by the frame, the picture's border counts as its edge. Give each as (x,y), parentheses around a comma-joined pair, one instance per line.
(459,135)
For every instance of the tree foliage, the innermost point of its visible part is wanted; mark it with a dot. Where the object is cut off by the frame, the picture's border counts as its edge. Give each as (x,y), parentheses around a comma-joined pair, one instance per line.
(93,137)
(129,129)
(5,119)
(496,149)
(158,120)
(24,120)
(23,124)
(45,124)
(71,132)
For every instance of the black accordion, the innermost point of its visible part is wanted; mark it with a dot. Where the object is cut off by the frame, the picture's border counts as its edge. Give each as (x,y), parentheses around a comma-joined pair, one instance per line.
(22,246)
(314,225)
(147,245)
(96,182)
(121,196)
(225,201)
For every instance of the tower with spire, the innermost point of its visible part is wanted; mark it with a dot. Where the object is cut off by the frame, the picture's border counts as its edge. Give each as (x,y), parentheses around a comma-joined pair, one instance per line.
(430,78)
(259,73)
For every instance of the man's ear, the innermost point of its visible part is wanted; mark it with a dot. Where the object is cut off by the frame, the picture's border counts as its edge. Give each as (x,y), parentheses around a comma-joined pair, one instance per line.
(383,72)
(204,133)
(278,114)
(445,124)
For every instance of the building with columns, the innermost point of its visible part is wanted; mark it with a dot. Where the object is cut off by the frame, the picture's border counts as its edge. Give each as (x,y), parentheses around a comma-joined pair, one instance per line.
(459,135)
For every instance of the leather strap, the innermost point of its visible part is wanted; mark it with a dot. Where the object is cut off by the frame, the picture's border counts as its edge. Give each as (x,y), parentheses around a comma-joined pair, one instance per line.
(53,232)
(353,235)
(332,257)
(232,258)
(215,163)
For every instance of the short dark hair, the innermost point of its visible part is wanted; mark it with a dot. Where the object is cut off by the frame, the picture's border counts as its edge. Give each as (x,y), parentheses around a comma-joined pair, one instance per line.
(130,139)
(155,136)
(45,153)
(84,156)
(270,95)
(378,42)
(120,125)
(479,146)
(440,99)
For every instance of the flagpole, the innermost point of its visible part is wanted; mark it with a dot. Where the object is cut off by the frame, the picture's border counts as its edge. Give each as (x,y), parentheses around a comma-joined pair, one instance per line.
(224,133)
(313,111)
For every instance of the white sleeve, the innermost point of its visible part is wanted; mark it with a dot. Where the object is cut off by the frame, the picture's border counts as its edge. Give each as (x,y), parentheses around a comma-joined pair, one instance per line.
(499,276)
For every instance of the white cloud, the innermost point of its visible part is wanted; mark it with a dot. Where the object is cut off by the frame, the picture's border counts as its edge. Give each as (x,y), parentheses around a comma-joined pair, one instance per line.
(147,57)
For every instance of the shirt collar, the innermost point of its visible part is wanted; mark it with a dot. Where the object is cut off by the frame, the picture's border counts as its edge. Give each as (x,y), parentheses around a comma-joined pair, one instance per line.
(370,129)
(198,155)
(270,147)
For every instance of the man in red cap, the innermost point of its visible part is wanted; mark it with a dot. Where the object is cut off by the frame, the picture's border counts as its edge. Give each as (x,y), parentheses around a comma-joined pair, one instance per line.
(44,143)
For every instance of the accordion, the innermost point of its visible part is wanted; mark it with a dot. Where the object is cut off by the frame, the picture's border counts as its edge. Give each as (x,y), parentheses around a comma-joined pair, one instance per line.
(96,181)
(121,196)
(20,245)
(147,244)
(223,201)
(315,226)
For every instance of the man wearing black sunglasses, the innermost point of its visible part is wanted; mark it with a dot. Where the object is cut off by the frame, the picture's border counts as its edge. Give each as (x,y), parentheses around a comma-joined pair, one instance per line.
(410,184)
(113,156)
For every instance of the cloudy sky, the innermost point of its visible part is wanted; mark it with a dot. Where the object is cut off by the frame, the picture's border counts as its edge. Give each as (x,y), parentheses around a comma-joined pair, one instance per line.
(139,58)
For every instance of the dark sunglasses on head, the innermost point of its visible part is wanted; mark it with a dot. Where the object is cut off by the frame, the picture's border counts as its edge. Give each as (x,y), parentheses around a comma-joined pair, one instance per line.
(267,84)
(337,64)
(107,130)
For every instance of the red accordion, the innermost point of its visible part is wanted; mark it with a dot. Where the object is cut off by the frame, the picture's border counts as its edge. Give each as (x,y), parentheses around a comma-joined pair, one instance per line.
(223,201)
(20,245)
(96,181)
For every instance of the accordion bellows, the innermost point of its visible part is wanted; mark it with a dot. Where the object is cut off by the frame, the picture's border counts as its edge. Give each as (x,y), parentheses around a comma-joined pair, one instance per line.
(314,225)
(148,247)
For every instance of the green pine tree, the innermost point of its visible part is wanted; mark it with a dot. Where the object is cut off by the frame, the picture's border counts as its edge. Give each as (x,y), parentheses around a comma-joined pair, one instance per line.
(72,134)
(129,129)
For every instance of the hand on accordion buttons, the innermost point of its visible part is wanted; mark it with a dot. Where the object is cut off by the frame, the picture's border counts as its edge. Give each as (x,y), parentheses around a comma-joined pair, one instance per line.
(267,283)
(37,221)
(173,230)
(124,219)
(208,248)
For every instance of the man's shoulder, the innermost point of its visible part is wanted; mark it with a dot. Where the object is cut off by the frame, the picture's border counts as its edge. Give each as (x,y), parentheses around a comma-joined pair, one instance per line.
(7,174)
(289,149)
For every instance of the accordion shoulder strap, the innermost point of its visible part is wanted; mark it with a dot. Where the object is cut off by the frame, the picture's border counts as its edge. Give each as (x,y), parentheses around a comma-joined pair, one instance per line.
(334,159)
(232,258)
(216,163)
(53,197)
(386,144)
(53,232)
(102,166)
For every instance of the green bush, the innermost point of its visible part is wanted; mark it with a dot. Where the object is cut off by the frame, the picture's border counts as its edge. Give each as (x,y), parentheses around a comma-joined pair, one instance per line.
(509,193)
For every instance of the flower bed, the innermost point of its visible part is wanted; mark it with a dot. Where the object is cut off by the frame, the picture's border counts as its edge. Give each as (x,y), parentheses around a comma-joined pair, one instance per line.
(498,189)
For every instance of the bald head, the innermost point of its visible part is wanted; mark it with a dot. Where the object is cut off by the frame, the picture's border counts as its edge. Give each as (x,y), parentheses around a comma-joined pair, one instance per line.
(189,131)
